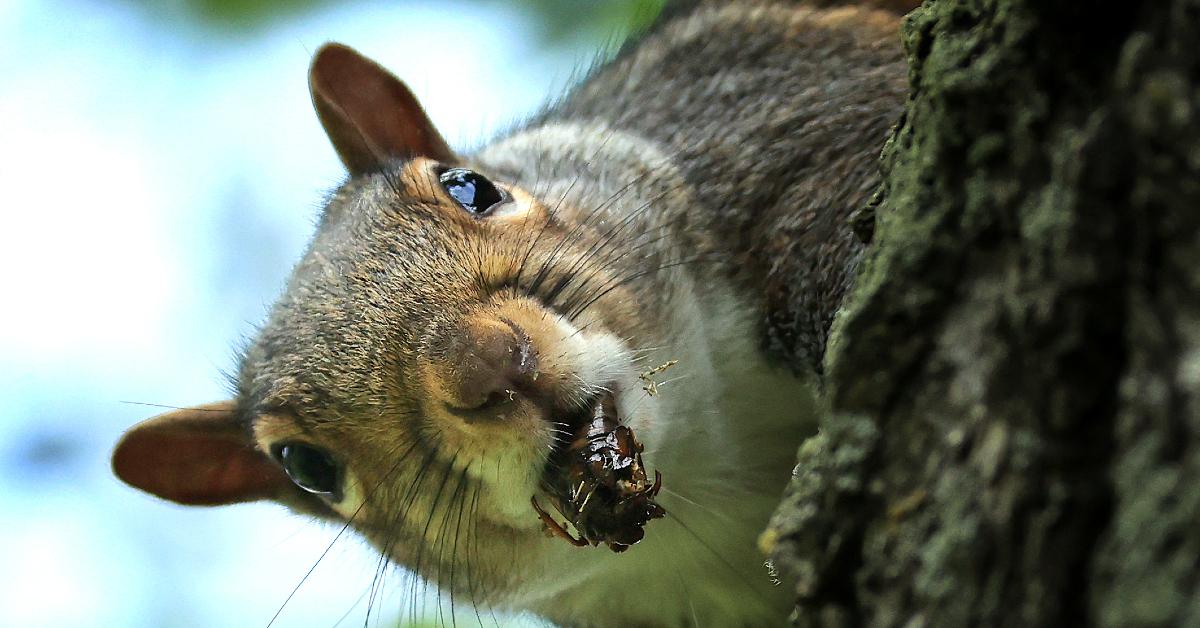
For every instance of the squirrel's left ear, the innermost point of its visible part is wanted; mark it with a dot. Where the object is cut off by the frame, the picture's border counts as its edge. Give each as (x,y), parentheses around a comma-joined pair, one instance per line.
(370,115)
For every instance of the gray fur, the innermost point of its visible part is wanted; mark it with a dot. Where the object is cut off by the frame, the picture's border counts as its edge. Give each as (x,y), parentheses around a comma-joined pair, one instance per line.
(706,176)
(776,121)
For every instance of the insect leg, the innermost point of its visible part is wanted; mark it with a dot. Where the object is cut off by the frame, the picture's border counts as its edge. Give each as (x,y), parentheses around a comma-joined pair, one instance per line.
(555,528)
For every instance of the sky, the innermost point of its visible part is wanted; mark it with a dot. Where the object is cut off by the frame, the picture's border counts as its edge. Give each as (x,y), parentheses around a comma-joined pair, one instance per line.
(158,182)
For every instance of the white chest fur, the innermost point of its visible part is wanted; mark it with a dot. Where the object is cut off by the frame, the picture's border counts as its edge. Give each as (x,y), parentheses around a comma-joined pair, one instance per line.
(725,434)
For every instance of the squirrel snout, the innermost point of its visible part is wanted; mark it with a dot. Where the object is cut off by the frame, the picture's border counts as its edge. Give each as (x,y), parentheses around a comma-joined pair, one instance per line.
(480,366)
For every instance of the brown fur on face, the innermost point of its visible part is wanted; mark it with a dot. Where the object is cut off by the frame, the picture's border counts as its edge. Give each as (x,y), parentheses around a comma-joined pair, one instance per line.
(377,380)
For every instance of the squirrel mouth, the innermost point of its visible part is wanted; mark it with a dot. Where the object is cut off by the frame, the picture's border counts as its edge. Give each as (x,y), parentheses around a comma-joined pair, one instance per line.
(595,478)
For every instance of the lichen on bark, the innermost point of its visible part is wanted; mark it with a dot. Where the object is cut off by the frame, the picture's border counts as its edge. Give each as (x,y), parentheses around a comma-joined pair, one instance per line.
(1010,434)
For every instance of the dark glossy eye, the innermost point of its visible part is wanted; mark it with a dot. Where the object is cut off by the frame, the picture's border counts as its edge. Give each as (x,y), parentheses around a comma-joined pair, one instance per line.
(472,190)
(310,468)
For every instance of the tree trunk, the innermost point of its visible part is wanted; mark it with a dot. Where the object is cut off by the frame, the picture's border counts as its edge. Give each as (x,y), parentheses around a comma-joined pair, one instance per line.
(1011,433)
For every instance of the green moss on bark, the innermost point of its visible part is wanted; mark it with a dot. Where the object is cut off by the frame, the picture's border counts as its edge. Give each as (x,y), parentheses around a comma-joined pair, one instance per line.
(1010,435)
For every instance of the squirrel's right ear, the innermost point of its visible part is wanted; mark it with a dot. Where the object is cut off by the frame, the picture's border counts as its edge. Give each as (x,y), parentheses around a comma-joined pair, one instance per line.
(198,456)
(370,115)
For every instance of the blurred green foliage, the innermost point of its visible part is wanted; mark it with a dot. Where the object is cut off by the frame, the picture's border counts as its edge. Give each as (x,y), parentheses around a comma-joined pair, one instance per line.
(560,19)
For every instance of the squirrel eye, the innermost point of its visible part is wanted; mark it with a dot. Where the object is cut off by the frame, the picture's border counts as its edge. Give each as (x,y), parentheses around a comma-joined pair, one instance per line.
(310,468)
(472,190)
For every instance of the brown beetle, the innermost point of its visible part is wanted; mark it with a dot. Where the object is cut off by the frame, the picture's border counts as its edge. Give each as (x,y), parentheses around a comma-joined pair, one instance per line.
(600,484)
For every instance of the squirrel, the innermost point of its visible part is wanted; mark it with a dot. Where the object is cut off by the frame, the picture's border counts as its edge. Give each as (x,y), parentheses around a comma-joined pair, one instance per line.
(688,203)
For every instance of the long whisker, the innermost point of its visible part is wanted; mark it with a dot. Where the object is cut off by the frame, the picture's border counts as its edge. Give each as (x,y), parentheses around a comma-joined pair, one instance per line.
(608,241)
(604,239)
(554,212)
(454,548)
(328,548)
(423,541)
(620,281)
(407,500)
(715,513)
(168,407)
(743,578)
(487,596)
(350,610)
(687,594)
(473,533)
(596,270)
(385,551)
(440,542)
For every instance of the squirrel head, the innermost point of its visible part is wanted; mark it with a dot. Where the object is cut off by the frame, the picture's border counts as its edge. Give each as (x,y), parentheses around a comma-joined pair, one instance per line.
(412,378)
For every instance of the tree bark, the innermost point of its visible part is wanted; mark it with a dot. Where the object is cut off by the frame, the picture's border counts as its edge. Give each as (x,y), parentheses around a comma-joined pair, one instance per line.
(1011,430)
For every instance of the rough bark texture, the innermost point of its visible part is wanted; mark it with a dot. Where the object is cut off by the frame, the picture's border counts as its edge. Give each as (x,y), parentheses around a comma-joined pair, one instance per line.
(1012,424)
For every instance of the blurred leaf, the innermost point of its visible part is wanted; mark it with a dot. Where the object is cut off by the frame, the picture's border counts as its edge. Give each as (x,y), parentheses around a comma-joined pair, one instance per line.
(561,20)
(250,12)
(230,15)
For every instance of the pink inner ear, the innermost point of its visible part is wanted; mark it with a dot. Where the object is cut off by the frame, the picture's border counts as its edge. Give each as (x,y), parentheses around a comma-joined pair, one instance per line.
(196,465)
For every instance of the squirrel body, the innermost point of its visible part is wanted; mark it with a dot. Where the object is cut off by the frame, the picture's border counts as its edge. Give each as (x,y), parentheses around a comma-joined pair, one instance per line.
(689,201)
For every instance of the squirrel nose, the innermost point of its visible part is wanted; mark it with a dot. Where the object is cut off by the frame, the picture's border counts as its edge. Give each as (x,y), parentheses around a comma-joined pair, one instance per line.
(485,364)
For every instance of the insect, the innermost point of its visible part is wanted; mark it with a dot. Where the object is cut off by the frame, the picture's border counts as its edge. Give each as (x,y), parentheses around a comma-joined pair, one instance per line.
(649,384)
(600,484)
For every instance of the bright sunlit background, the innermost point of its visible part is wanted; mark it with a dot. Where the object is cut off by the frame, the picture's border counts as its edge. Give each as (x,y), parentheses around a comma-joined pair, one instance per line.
(160,170)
